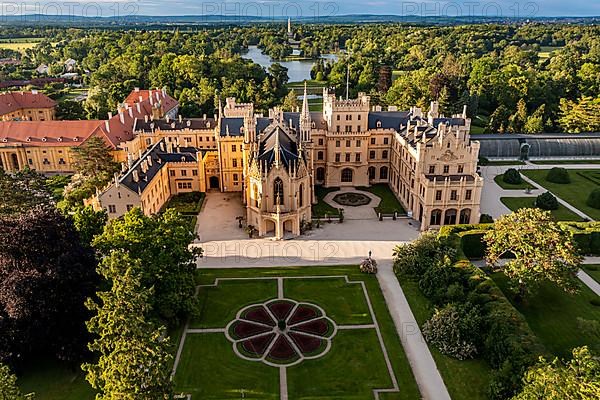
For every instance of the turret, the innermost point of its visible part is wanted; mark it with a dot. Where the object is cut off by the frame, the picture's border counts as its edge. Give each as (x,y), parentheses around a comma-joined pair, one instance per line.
(305,120)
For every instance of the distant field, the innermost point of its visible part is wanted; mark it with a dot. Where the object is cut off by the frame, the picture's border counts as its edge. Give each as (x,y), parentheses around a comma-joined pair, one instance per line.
(19,44)
(546,50)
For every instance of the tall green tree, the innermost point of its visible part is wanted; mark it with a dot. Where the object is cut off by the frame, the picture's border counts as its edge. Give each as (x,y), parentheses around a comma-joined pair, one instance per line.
(580,116)
(542,250)
(134,358)
(94,160)
(161,243)
(290,102)
(576,379)
(23,191)
(8,386)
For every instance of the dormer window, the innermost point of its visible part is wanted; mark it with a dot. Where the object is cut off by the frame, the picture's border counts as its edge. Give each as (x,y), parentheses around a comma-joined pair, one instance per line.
(44,139)
(313,125)
(59,139)
(378,123)
(28,139)
(75,139)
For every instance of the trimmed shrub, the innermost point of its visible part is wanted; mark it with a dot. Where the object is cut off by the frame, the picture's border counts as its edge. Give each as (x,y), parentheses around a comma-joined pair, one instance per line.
(486,219)
(594,199)
(451,330)
(472,244)
(558,175)
(512,176)
(417,257)
(546,201)
(483,161)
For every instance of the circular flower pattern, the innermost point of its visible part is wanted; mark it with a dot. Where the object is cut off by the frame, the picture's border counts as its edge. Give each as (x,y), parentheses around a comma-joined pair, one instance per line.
(281,332)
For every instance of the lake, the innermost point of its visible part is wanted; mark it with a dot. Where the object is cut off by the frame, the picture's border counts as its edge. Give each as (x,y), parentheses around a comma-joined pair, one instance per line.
(298,71)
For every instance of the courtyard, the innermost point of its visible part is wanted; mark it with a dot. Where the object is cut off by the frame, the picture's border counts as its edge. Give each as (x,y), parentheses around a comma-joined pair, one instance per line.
(267,332)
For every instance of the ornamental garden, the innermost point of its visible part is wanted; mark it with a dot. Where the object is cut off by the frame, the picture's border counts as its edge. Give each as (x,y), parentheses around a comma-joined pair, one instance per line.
(266,333)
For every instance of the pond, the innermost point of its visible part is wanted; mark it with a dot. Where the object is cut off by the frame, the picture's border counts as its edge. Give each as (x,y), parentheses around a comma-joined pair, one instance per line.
(298,70)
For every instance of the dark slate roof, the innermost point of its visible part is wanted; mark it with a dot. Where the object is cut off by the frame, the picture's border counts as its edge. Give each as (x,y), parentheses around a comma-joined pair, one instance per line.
(159,159)
(163,125)
(389,119)
(449,121)
(235,126)
(288,148)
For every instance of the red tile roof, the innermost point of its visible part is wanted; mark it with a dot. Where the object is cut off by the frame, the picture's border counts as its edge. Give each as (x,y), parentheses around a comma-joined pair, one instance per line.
(119,128)
(13,101)
(157,95)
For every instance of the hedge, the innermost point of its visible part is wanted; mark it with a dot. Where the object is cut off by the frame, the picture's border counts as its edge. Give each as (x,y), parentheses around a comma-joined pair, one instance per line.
(470,237)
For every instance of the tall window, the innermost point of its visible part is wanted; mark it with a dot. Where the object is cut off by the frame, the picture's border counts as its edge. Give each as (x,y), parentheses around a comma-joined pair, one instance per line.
(320,155)
(383,173)
(436,217)
(278,191)
(301,196)
(321,174)
(384,154)
(347,175)
(371,172)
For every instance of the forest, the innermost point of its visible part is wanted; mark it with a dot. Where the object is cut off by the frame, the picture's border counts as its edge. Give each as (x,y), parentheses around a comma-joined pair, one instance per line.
(525,78)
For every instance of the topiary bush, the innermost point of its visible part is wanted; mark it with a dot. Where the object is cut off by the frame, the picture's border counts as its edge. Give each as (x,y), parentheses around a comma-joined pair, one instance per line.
(546,201)
(483,161)
(594,199)
(486,219)
(512,176)
(558,175)
(452,330)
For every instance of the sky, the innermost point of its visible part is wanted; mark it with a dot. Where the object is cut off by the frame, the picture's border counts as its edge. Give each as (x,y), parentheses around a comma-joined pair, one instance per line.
(312,8)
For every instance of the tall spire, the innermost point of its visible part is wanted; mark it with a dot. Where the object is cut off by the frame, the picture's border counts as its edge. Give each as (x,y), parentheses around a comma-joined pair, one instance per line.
(220,108)
(277,150)
(305,109)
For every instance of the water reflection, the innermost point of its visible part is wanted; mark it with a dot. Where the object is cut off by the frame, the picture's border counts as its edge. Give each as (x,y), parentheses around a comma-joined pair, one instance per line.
(298,70)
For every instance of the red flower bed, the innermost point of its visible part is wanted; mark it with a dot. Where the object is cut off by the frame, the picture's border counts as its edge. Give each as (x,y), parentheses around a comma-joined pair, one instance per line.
(306,344)
(303,313)
(259,314)
(258,345)
(281,308)
(282,350)
(244,329)
(317,327)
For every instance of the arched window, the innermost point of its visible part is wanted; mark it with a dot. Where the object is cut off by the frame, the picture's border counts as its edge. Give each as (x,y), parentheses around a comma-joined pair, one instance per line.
(371,173)
(301,196)
(320,174)
(436,217)
(383,173)
(347,175)
(465,216)
(278,191)
(450,218)
(255,196)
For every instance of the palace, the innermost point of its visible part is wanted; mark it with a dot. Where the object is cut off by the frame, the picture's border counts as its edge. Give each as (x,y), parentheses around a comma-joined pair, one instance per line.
(275,161)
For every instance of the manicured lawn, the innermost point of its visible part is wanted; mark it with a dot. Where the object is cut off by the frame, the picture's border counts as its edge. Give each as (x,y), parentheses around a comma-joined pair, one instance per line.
(477,130)
(562,214)
(355,365)
(492,163)
(321,208)
(560,162)
(574,193)
(593,271)
(552,315)
(53,380)
(186,203)
(389,203)
(509,186)
(467,379)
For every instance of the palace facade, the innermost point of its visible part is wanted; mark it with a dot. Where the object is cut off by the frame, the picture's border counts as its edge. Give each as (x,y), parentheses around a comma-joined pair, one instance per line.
(275,161)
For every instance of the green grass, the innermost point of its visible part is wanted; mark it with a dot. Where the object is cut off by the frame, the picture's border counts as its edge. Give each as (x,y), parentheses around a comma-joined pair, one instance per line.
(593,271)
(351,370)
(467,379)
(209,369)
(552,315)
(574,193)
(389,203)
(321,208)
(502,163)
(186,203)
(567,162)
(477,130)
(347,302)
(561,214)
(315,104)
(53,380)
(510,186)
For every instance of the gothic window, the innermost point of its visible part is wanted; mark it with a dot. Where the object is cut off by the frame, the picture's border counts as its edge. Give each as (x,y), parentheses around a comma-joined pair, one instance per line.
(321,174)
(347,175)
(278,191)
(301,196)
(383,173)
(436,217)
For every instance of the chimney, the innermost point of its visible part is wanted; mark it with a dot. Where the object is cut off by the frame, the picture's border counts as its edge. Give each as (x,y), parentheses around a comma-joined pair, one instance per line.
(122,117)
(149,158)
(204,117)
(107,125)
(141,98)
(180,119)
(464,114)
(130,112)
(168,119)
(139,108)
(137,89)
(110,115)
(136,175)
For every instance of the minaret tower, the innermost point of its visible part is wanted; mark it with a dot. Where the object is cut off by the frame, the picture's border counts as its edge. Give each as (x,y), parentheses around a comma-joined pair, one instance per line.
(305,121)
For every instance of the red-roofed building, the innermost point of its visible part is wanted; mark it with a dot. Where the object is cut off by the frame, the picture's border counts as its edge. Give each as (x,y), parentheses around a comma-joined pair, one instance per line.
(26,106)
(44,145)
